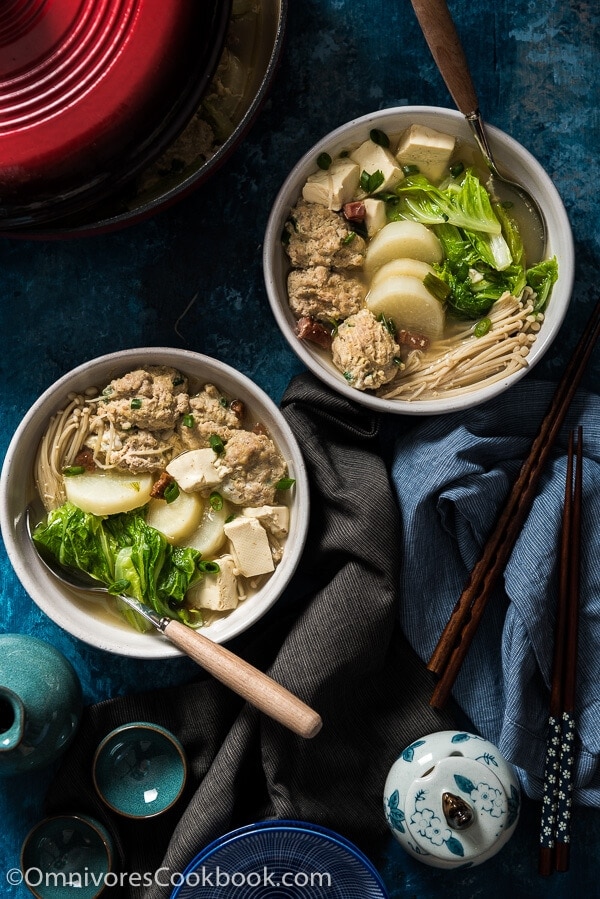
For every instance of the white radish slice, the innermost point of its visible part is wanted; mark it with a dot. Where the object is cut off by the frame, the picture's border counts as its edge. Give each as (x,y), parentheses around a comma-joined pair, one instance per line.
(408,303)
(209,536)
(178,519)
(107,492)
(402,239)
(405,266)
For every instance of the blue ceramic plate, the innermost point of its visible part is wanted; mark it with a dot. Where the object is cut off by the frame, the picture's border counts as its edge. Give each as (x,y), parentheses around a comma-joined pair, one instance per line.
(283,859)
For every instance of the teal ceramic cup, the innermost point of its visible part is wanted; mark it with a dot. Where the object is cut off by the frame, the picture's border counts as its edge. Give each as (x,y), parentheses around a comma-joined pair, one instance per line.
(139,770)
(66,856)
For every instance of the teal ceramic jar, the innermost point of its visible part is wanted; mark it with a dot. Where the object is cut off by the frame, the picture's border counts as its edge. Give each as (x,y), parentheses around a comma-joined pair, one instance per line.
(40,703)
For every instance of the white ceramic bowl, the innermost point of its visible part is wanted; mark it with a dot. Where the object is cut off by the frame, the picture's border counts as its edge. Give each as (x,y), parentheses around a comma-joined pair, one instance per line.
(510,156)
(72,611)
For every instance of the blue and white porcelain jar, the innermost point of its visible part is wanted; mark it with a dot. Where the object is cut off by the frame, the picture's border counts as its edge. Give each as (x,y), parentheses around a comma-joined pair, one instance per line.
(451,800)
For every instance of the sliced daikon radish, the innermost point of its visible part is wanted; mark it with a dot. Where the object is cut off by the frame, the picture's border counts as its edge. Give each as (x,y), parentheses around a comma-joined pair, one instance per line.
(409,304)
(209,536)
(404,266)
(106,492)
(177,519)
(403,238)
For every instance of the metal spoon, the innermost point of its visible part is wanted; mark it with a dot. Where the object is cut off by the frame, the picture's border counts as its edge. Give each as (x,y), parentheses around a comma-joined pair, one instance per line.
(248,682)
(445,45)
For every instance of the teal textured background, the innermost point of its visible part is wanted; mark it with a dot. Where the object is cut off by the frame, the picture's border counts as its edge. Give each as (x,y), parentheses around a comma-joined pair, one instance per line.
(191,277)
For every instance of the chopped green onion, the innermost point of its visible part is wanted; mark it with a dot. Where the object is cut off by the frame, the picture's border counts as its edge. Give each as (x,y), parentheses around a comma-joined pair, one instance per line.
(136,403)
(230,518)
(379,137)
(72,470)
(387,323)
(370,182)
(177,382)
(223,402)
(188,421)
(209,567)
(349,237)
(216,444)
(410,169)
(349,376)
(482,327)
(324,160)
(285,483)
(457,169)
(171,492)
(216,501)
(437,287)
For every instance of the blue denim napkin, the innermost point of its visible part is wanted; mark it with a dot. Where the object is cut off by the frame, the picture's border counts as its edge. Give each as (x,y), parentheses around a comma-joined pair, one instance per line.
(452,475)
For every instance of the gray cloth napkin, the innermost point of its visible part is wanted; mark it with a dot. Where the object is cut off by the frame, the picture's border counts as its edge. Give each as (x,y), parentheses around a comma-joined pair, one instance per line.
(452,475)
(333,638)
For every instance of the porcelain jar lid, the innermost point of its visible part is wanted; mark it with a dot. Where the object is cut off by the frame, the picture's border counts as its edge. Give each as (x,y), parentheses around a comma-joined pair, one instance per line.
(451,800)
(91,91)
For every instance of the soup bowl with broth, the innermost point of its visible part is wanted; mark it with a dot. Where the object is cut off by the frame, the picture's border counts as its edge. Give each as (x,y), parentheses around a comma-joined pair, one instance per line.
(227,596)
(363,288)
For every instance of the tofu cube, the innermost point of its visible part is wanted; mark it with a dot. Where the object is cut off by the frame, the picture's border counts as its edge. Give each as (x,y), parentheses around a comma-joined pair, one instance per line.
(428,149)
(333,187)
(249,546)
(373,158)
(375,215)
(195,470)
(275,519)
(217,592)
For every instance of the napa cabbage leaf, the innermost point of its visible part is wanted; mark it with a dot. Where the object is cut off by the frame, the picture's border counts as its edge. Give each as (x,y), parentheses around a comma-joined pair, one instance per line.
(126,555)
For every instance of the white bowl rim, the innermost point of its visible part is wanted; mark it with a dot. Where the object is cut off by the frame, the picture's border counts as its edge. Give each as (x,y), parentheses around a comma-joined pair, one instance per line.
(502,143)
(57,602)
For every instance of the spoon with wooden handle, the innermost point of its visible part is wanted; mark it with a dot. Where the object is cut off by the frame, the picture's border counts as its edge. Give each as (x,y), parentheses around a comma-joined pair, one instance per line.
(442,37)
(248,682)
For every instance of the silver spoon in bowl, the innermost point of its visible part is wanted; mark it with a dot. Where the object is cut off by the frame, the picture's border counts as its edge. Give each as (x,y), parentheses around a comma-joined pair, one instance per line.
(442,37)
(248,682)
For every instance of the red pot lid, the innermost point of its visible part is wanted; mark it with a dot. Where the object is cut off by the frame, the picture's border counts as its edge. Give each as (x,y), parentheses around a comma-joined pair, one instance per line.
(93,90)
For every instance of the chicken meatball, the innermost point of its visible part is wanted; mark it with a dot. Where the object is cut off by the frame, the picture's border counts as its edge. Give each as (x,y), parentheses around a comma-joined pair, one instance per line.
(365,351)
(318,236)
(250,467)
(152,399)
(210,412)
(323,294)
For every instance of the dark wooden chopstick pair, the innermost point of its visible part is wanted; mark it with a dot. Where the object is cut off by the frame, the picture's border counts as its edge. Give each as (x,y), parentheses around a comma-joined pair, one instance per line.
(555,826)
(460,629)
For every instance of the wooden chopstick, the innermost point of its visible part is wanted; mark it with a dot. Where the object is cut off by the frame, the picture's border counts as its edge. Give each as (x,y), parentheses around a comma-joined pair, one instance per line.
(554,738)
(456,637)
(567,755)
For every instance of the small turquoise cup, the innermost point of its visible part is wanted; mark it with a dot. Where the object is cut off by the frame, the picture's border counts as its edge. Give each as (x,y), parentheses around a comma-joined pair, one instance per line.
(139,770)
(66,856)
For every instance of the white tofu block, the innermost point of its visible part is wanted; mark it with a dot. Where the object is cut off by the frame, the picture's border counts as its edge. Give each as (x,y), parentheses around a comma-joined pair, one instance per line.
(375,215)
(275,519)
(218,592)
(250,546)
(334,187)
(428,149)
(372,158)
(195,470)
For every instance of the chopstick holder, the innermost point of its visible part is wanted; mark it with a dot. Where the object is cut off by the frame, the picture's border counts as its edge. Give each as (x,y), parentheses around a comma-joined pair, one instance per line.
(456,638)
(555,824)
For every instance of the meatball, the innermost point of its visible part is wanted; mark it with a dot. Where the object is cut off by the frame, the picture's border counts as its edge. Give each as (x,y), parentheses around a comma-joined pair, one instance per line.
(320,293)
(209,413)
(151,399)
(251,468)
(318,236)
(365,351)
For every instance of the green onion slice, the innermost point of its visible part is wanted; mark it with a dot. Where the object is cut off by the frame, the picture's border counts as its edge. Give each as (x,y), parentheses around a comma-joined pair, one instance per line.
(171,492)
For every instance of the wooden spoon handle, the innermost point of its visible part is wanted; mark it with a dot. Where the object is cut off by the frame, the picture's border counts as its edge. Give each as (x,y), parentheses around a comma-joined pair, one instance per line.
(253,685)
(445,45)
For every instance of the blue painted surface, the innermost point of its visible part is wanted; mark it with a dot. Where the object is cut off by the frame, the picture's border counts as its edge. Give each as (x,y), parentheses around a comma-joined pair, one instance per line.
(191,277)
